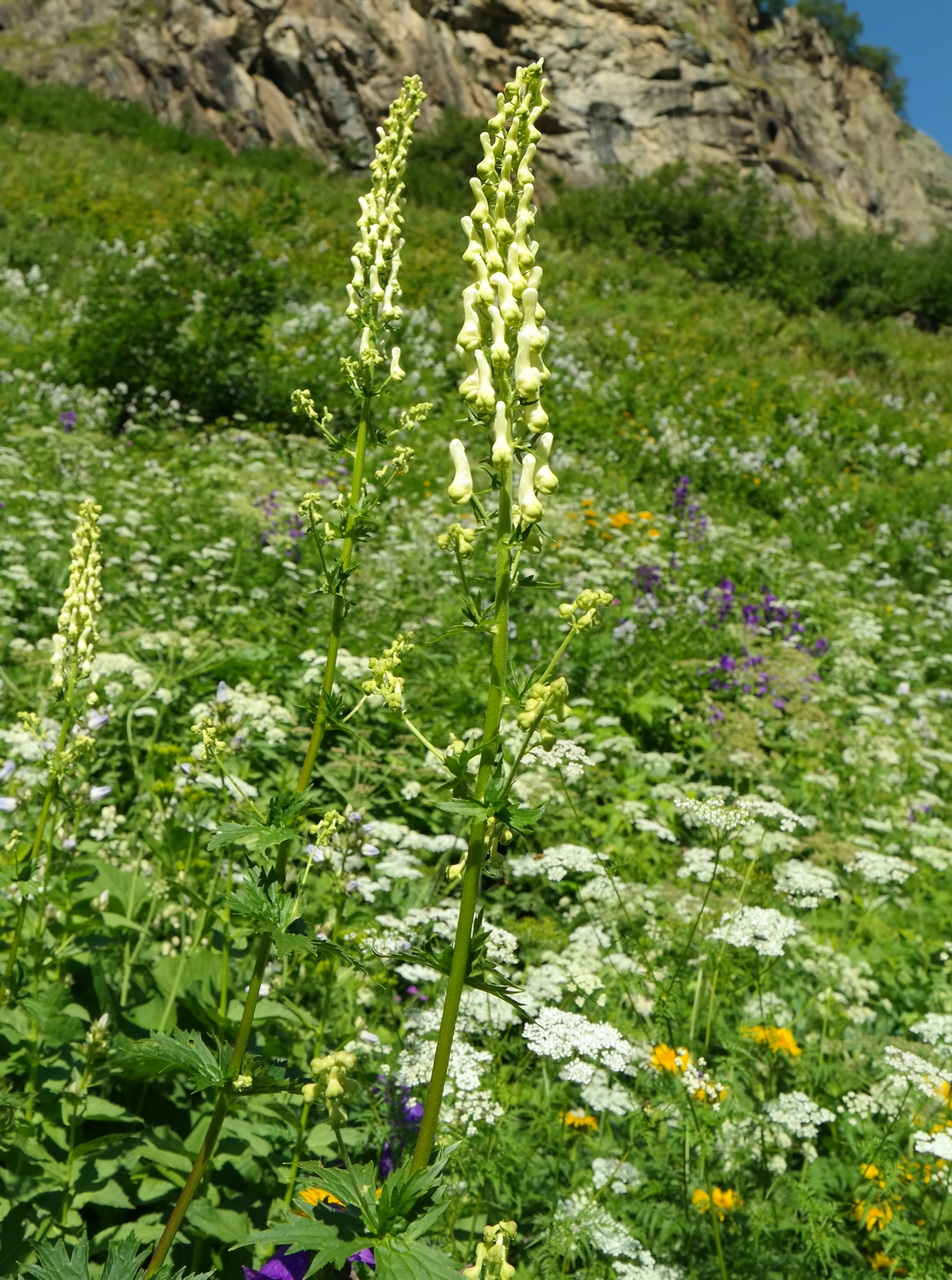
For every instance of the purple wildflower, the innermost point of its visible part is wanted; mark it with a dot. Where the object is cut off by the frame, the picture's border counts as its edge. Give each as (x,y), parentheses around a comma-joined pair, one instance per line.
(282,1266)
(68,420)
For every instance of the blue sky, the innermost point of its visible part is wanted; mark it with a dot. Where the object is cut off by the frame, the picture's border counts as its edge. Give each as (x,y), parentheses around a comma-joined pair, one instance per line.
(920,31)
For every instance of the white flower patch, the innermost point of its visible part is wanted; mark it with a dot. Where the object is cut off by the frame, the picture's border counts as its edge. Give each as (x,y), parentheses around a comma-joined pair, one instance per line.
(702,864)
(798,1114)
(247,713)
(918,1072)
(557,862)
(466,1104)
(849,985)
(805,885)
(768,1008)
(618,1174)
(109,665)
(603,1094)
(568,756)
(938,1145)
(645,1269)
(881,868)
(934,1028)
(762,928)
(580,1044)
(596,1224)
(716,813)
(349,667)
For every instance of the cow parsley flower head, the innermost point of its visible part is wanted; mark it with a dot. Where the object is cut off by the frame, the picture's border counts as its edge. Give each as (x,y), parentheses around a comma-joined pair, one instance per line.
(580,1044)
(917,1072)
(594,1225)
(558,861)
(798,1114)
(938,1145)
(74,645)
(934,1028)
(762,928)
(881,868)
(805,885)
(618,1174)
(716,813)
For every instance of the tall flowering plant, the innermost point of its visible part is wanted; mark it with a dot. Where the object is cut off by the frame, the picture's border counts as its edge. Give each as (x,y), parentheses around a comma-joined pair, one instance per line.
(501,346)
(374,307)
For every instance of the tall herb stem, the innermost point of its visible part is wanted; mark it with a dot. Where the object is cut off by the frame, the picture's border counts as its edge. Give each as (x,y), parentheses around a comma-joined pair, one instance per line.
(337,616)
(476,847)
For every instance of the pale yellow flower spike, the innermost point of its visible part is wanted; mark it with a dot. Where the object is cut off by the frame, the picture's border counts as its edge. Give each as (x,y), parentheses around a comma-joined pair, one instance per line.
(77,634)
(503,334)
(374,292)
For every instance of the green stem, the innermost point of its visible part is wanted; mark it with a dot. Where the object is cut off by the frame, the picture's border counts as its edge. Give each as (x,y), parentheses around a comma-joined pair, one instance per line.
(225,1096)
(37,840)
(337,616)
(264,944)
(296,1158)
(476,848)
(355,1181)
(717,1242)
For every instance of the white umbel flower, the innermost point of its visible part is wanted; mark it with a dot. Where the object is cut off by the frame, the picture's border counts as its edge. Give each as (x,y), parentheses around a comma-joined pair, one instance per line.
(798,1114)
(74,645)
(762,928)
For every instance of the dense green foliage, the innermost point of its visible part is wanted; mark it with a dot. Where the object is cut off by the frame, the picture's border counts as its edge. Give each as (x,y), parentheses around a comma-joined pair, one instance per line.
(760,484)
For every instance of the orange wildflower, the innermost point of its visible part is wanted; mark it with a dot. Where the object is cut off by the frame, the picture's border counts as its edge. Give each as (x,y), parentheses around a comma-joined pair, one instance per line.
(879,1262)
(724,1200)
(578,1120)
(665,1059)
(872,1216)
(778,1039)
(317,1195)
(620,520)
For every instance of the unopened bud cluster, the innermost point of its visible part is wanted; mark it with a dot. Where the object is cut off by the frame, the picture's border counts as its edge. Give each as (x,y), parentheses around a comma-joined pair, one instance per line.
(503,334)
(374,292)
(583,611)
(459,539)
(74,645)
(544,701)
(333,1082)
(492,1254)
(384,683)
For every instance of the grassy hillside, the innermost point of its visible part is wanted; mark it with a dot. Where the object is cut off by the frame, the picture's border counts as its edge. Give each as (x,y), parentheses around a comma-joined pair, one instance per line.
(762,488)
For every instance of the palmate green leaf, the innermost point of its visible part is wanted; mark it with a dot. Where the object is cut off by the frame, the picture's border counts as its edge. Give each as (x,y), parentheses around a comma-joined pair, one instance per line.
(262,906)
(481,973)
(261,831)
(465,808)
(331,1236)
(124,1261)
(340,1184)
(249,836)
(400,1258)
(181,1052)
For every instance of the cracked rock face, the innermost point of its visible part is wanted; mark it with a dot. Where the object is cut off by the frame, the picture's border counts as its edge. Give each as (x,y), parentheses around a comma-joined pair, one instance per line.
(632,83)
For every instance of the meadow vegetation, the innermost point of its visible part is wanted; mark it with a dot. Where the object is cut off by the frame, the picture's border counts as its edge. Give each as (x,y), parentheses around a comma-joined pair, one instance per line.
(719,887)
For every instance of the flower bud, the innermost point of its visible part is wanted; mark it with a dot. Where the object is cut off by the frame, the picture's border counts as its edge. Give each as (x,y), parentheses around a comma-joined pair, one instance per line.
(502,445)
(529,505)
(461,489)
(546,481)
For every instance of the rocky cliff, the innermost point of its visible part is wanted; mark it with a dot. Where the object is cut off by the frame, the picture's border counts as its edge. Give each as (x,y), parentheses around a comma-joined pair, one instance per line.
(633,82)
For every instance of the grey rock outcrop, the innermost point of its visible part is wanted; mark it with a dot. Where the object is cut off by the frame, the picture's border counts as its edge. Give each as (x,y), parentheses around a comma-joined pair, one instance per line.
(635,83)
